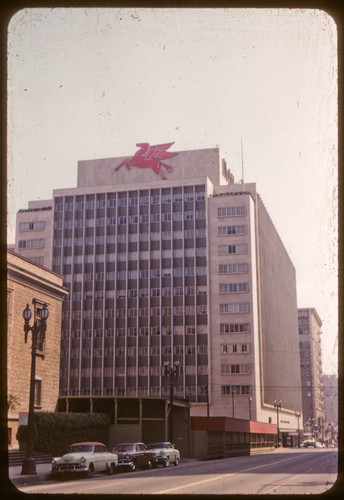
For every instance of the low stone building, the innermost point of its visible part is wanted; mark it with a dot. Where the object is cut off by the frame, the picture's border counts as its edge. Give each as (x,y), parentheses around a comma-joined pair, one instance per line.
(30,283)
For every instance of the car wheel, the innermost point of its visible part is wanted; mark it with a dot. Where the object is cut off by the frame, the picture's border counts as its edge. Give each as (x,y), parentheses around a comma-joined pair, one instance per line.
(133,467)
(90,470)
(167,462)
(112,469)
(176,461)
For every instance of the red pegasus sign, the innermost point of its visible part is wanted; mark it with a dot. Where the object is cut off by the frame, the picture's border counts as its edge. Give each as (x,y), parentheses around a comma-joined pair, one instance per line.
(149,157)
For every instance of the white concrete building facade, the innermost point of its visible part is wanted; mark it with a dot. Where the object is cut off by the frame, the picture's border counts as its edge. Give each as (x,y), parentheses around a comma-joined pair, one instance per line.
(176,263)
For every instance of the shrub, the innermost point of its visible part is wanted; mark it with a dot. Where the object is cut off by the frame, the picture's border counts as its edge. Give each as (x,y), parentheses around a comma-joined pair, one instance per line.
(22,433)
(56,431)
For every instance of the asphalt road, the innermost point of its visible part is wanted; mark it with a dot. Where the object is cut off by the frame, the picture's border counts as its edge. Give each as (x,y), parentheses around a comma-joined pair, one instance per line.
(285,471)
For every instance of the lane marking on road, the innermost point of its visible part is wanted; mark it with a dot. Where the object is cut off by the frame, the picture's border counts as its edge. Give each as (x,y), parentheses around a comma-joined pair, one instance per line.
(291,476)
(216,478)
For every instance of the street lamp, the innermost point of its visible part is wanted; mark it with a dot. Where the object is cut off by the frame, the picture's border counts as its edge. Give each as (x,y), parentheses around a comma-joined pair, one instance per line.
(278,406)
(250,408)
(298,415)
(171,371)
(29,464)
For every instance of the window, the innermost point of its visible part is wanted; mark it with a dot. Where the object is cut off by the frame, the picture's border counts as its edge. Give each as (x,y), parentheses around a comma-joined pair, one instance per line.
(233,268)
(230,230)
(241,307)
(233,287)
(227,390)
(32,226)
(232,249)
(231,211)
(33,243)
(235,369)
(234,327)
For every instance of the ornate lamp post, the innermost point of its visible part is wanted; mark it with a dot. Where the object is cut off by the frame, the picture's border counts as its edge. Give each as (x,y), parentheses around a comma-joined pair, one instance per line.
(171,371)
(298,415)
(278,406)
(29,464)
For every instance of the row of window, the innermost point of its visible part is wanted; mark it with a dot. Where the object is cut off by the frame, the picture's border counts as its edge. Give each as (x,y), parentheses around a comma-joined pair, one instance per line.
(236,268)
(123,256)
(134,274)
(36,243)
(231,211)
(190,391)
(241,307)
(229,369)
(234,348)
(133,312)
(167,350)
(133,331)
(142,292)
(233,287)
(231,230)
(121,371)
(32,226)
(232,249)
(227,390)
(153,199)
(234,327)
(132,238)
(131,219)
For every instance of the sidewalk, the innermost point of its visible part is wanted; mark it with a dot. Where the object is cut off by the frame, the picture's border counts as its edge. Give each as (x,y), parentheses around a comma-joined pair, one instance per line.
(19,479)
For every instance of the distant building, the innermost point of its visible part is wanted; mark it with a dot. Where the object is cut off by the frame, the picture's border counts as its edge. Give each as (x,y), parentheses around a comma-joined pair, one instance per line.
(176,265)
(34,232)
(331,399)
(311,370)
(29,283)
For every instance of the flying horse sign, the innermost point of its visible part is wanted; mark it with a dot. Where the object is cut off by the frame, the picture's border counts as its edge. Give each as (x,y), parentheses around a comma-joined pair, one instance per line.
(149,157)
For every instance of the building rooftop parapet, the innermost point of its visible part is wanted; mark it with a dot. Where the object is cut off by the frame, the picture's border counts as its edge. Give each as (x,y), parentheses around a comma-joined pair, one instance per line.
(34,209)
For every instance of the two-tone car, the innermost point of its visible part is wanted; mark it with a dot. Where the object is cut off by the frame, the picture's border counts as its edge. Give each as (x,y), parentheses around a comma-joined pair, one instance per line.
(134,455)
(166,453)
(87,458)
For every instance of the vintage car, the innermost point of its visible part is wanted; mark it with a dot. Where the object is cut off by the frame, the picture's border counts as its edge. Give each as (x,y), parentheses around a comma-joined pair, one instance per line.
(309,443)
(166,453)
(87,458)
(134,455)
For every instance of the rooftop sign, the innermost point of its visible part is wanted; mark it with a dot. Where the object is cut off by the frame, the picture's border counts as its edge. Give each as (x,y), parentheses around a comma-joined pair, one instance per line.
(149,157)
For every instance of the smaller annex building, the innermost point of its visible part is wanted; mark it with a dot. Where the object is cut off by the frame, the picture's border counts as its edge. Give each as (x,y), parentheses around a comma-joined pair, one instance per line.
(220,437)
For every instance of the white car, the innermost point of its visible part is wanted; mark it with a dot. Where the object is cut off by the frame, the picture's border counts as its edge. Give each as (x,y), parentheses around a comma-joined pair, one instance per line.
(87,457)
(166,453)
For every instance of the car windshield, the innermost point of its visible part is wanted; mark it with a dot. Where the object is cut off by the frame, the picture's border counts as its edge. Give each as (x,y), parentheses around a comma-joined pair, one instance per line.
(124,447)
(154,446)
(81,448)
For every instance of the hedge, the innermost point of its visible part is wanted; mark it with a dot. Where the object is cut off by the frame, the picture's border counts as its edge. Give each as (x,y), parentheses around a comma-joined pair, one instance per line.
(56,431)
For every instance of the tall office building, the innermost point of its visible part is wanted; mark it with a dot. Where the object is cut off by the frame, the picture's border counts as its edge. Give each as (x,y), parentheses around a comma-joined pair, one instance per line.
(311,368)
(176,264)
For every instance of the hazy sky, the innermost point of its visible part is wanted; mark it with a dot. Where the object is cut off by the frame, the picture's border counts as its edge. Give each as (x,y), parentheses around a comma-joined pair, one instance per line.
(91,83)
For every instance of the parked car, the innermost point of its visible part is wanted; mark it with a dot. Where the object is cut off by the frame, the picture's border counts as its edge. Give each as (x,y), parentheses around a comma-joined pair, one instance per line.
(134,455)
(308,443)
(166,453)
(87,458)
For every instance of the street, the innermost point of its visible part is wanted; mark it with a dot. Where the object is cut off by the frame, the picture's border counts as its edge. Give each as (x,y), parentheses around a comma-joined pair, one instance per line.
(285,471)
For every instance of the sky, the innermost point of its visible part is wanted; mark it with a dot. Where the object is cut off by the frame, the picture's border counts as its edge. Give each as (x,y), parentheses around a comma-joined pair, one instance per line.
(260,84)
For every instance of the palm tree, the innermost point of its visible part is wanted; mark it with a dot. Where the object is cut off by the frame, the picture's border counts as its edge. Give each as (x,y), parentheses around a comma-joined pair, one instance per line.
(12,402)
